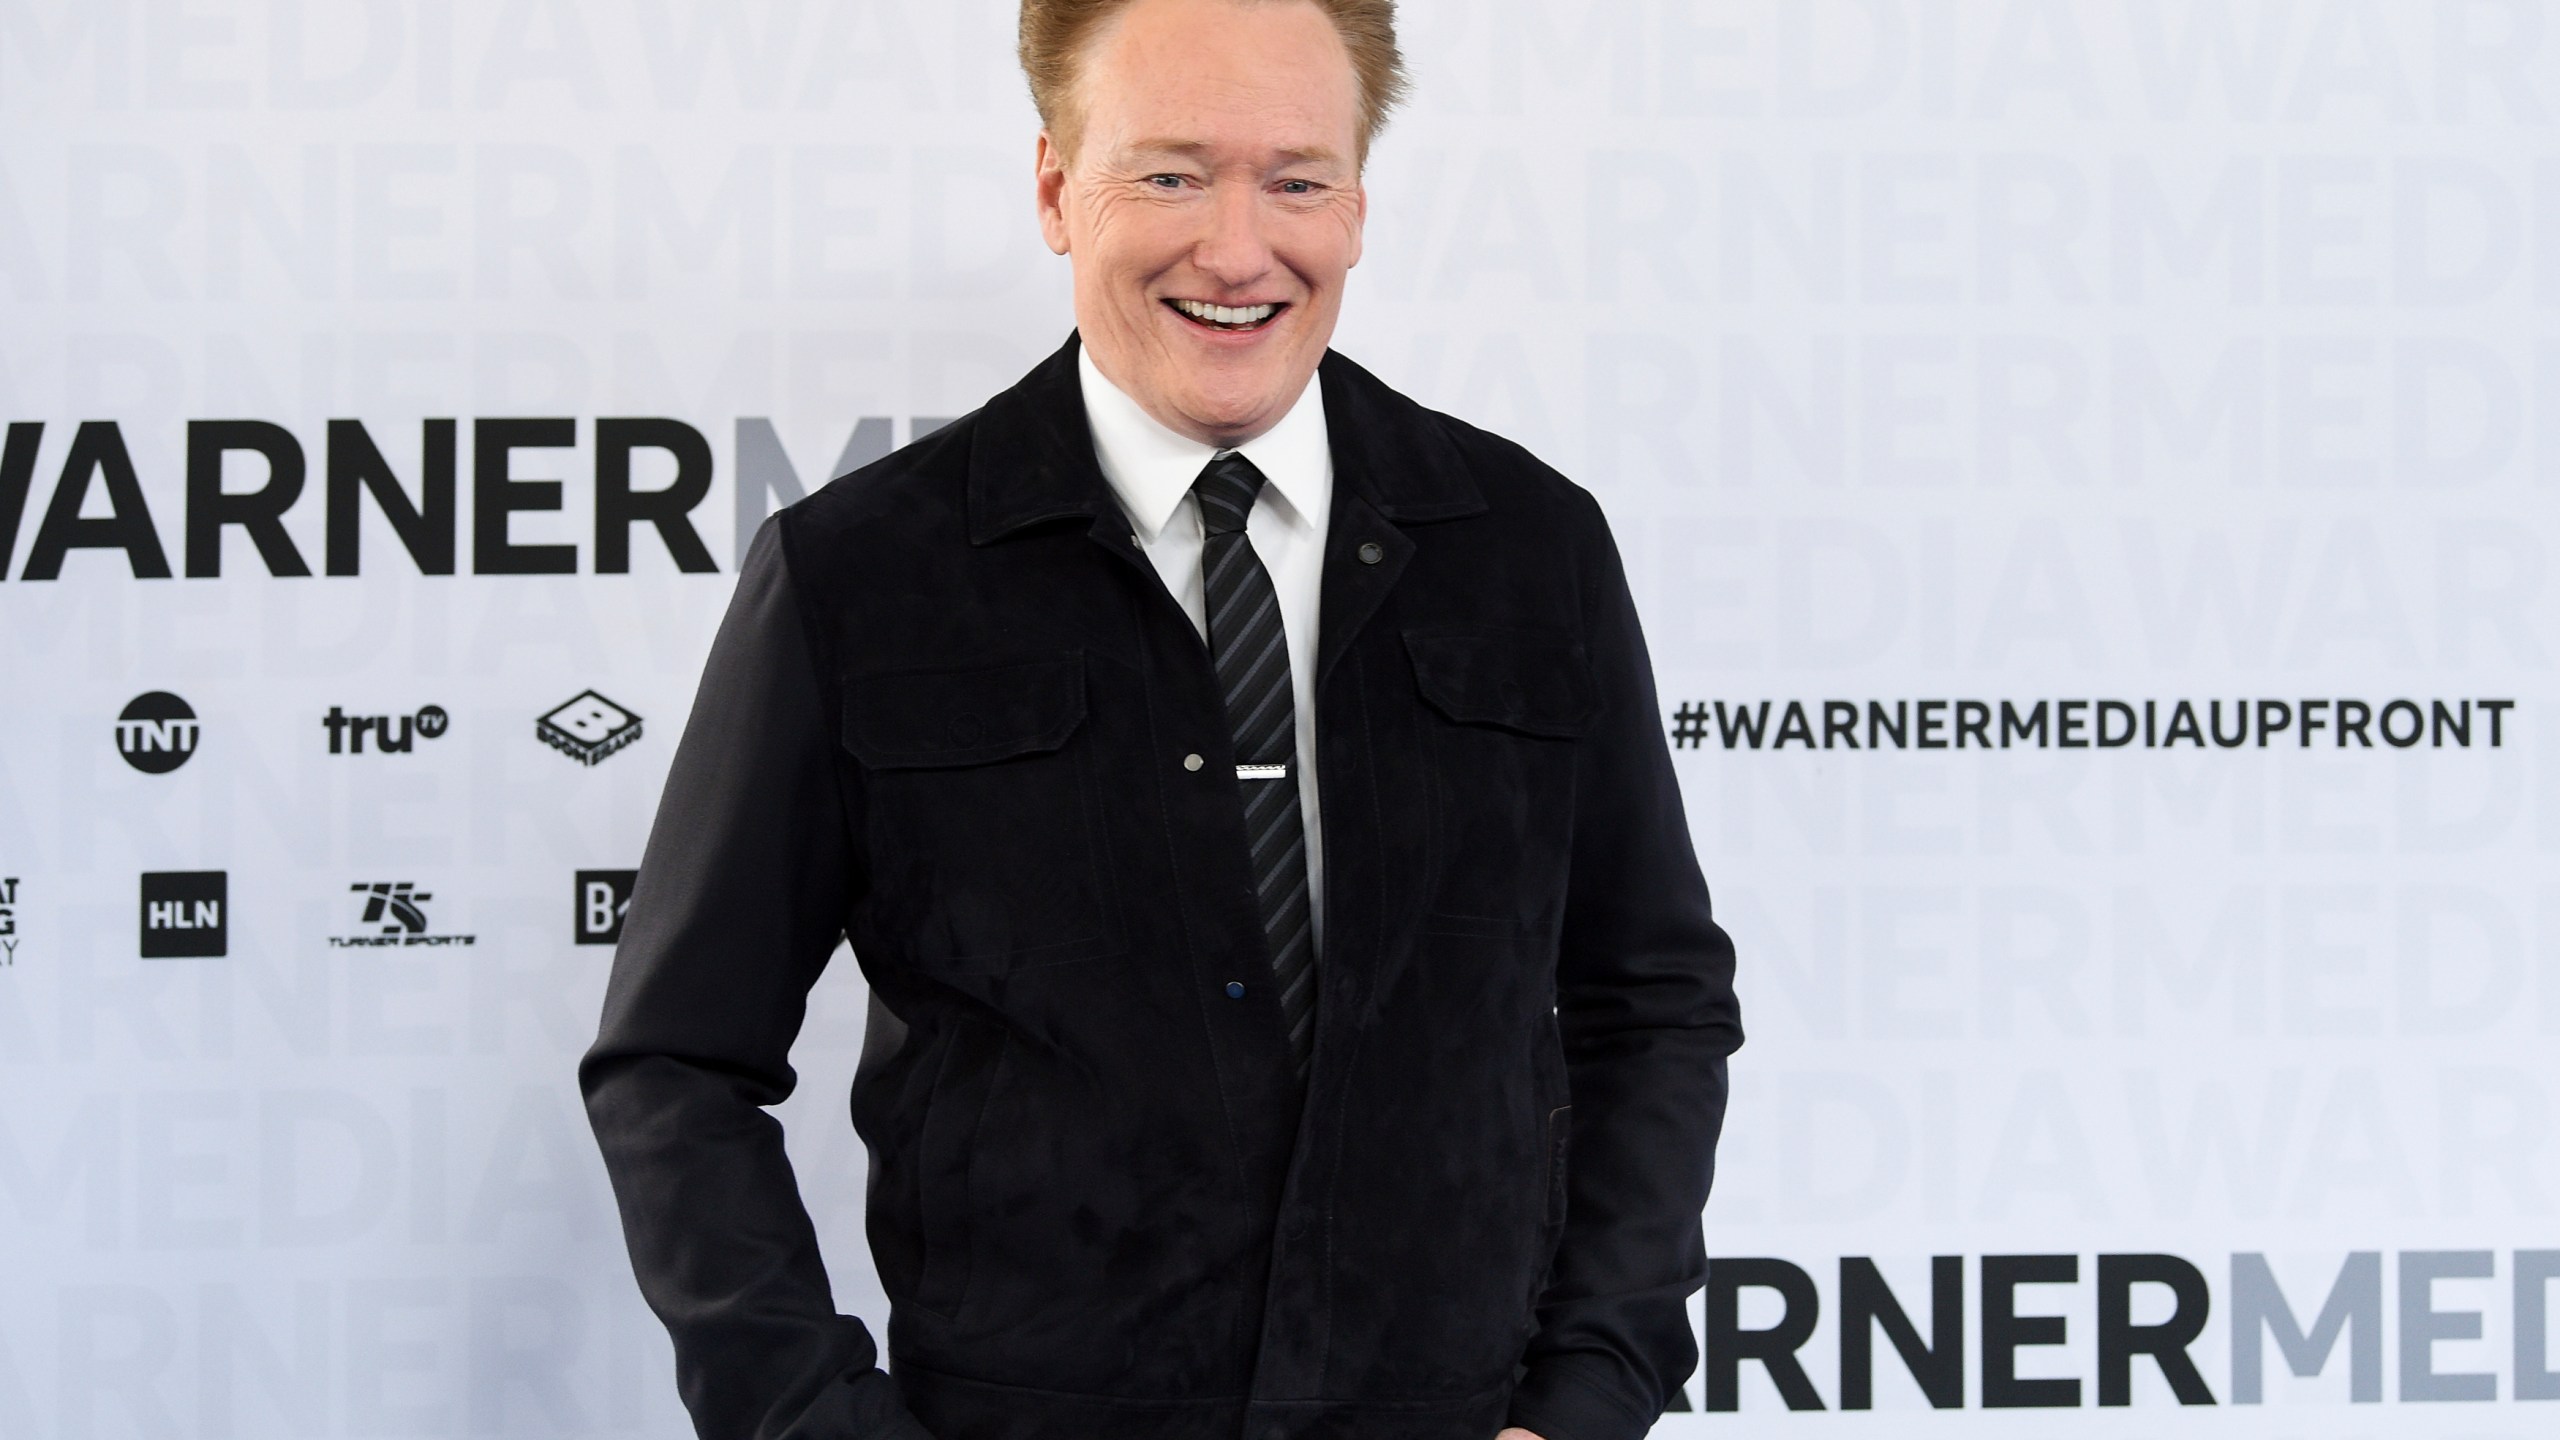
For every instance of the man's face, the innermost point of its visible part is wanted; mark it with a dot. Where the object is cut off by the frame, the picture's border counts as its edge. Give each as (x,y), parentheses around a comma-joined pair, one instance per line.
(1215,167)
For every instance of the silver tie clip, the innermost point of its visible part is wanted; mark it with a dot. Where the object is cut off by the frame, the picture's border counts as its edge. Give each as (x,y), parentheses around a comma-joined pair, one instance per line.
(1262,772)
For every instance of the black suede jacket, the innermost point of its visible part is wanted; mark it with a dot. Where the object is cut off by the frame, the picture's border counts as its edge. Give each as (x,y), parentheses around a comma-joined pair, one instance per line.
(946,717)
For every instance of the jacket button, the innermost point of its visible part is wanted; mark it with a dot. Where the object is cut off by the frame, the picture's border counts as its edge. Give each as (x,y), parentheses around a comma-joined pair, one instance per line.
(1370,554)
(1235,989)
(1191,762)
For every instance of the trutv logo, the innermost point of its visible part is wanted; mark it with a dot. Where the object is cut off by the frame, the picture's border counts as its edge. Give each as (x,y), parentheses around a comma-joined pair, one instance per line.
(2150,1315)
(96,502)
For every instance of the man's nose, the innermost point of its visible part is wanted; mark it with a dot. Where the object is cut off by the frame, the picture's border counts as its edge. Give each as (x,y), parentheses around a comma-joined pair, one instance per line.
(1235,251)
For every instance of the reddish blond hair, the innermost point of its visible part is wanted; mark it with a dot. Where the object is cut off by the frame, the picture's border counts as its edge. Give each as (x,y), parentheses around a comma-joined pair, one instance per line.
(1054,34)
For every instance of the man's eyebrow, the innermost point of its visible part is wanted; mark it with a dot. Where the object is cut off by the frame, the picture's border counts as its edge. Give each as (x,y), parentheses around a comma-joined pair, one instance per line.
(1196,149)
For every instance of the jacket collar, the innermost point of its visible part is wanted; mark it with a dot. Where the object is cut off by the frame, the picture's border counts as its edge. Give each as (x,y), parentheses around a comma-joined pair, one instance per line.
(1031,453)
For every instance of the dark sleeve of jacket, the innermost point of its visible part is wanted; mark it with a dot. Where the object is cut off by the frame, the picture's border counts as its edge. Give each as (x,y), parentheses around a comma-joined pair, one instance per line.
(741,898)
(1646,1009)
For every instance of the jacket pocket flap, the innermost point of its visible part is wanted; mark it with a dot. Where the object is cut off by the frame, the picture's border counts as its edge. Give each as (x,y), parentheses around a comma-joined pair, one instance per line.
(963,714)
(1533,681)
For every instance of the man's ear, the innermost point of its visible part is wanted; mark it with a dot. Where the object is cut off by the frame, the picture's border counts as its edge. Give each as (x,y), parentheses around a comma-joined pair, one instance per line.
(1359,218)
(1049,189)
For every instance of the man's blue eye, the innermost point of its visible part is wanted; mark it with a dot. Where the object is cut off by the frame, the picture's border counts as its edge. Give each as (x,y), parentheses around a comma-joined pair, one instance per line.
(1166,181)
(1297,187)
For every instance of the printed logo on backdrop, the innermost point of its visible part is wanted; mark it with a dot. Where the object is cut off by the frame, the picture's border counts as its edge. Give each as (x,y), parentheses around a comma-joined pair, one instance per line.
(390,734)
(2400,724)
(8,921)
(156,733)
(185,914)
(2313,1331)
(395,912)
(425,518)
(588,728)
(603,897)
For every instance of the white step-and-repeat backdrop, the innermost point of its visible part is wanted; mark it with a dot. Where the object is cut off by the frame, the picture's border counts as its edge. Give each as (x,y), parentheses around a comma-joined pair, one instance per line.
(2088,467)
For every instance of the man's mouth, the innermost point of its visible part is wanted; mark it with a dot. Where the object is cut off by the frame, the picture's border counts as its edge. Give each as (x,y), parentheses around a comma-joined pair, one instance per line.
(1226,317)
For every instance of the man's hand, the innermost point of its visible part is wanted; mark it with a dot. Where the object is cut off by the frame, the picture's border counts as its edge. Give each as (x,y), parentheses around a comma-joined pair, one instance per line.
(1516,1433)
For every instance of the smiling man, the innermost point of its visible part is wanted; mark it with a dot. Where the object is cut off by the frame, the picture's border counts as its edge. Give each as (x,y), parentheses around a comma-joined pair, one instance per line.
(1194,1108)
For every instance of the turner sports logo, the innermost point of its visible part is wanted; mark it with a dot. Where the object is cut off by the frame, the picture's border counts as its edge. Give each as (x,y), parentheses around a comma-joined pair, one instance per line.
(97,500)
(2326,1317)
(395,913)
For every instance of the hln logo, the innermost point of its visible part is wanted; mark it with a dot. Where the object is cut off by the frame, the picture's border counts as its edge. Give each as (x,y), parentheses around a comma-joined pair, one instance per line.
(603,897)
(156,733)
(183,914)
(347,732)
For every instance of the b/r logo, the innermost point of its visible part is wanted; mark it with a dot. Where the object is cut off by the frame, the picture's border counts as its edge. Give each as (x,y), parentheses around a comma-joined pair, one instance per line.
(603,898)
(347,732)
(588,728)
(183,914)
(156,733)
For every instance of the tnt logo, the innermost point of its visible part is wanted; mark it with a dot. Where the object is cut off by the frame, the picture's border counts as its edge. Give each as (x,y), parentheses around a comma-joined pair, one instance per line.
(183,914)
(392,734)
(603,896)
(156,733)
(588,728)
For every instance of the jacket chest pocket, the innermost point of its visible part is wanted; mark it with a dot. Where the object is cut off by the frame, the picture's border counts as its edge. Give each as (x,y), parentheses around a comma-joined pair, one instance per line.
(1507,708)
(982,813)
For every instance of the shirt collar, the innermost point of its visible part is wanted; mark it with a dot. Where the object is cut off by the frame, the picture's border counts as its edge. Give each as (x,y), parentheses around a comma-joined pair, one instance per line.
(1151,467)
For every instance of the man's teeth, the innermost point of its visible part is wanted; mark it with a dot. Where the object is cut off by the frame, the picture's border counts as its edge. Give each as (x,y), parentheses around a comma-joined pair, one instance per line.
(1239,315)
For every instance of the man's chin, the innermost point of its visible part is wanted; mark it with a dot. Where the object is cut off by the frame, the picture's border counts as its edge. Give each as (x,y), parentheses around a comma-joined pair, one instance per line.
(1240,413)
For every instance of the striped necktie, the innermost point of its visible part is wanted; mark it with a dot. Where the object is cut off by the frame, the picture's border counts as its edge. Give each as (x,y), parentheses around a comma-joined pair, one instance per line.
(1252,654)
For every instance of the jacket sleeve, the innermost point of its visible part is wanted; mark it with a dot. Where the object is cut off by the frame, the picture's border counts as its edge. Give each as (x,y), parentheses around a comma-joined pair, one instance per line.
(741,898)
(1646,1010)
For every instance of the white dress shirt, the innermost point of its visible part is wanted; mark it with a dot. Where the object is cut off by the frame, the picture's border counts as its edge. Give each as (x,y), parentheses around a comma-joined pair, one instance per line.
(1151,469)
